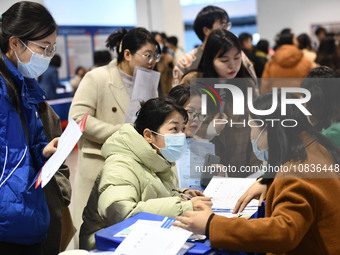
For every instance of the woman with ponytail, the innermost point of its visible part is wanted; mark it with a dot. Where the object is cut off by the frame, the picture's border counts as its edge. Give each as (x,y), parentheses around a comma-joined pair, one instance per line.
(105,93)
(27,44)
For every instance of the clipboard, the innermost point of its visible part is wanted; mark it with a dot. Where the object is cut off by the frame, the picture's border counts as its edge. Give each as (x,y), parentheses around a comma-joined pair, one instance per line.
(106,241)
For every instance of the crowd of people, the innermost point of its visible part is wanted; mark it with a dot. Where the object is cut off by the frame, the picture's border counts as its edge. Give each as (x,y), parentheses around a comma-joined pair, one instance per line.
(127,168)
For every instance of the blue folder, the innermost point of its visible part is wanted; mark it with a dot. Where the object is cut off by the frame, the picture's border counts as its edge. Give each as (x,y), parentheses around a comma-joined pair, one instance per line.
(106,241)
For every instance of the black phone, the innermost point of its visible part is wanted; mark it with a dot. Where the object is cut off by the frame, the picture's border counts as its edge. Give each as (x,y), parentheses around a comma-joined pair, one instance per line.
(206,176)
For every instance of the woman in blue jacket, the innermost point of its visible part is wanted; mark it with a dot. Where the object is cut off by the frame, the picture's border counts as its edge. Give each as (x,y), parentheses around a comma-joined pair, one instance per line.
(27,43)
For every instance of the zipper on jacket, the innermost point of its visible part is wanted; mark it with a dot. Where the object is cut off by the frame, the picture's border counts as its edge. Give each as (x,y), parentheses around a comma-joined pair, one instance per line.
(5,162)
(15,168)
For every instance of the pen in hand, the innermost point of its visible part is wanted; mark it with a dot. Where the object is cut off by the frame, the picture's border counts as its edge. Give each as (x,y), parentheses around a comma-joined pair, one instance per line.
(182,193)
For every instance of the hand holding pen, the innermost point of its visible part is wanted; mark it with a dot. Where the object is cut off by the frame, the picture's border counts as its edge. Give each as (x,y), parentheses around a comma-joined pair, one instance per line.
(197,198)
(188,194)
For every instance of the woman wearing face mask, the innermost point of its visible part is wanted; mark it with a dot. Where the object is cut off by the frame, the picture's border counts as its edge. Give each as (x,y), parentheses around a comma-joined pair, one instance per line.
(221,63)
(302,206)
(138,174)
(25,53)
(323,84)
(190,98)
(105,93)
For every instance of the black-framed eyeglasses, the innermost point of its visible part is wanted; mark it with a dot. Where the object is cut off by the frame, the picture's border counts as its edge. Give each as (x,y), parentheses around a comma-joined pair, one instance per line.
(192,115)
(149,58)
(49,50)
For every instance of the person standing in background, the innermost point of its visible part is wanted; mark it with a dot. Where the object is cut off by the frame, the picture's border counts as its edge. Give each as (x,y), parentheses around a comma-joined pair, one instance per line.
(305,44)
(208,19)
(49,80)
(105,94)
(75,80)
(328,53)
(173,45)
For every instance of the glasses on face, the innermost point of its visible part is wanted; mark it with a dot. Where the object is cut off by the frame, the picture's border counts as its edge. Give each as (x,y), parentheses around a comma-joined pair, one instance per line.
(192,115)
(226,26)
(49,50)
(149,58)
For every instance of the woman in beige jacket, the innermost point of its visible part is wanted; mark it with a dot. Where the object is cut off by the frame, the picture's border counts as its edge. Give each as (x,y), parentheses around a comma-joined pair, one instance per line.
(105,93)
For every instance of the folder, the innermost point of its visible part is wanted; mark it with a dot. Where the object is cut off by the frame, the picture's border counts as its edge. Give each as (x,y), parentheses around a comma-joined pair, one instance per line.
(106,241)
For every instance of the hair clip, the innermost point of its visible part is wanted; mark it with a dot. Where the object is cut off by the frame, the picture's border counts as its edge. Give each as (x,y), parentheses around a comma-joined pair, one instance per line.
(120,46)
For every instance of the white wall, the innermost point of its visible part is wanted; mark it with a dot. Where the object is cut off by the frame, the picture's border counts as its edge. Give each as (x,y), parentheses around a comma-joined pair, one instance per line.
(234,9)
(87,12)
(161,16)
(274,15)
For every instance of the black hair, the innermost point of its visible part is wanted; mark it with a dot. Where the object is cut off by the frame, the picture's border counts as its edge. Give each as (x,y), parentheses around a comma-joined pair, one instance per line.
(284,143)
(56,61)
(323,84)
(182,93)
(173,40)
(244,36)
(101,58)
(27,21)
(285,39)
(304,42)
(320,30)
(132,40)
(154,112)
(328,54)
(263,45)
(219,42)
(282,32)
(207,17)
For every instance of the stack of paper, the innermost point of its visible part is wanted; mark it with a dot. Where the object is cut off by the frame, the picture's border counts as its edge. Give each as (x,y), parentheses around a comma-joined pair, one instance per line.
(225,192)
(151,237)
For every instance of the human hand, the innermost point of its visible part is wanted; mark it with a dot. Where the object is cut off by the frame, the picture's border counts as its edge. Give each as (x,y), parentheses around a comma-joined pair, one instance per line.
(255,191)
(195,221)
(51,148)
(196,201)
(193,193)
(220,127)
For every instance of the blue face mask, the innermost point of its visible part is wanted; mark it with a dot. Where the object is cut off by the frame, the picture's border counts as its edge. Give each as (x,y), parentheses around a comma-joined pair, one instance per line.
(261,155)
(37,66)
(175,146)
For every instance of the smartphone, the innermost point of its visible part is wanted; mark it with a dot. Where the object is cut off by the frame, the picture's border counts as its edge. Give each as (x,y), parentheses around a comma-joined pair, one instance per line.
(206,176)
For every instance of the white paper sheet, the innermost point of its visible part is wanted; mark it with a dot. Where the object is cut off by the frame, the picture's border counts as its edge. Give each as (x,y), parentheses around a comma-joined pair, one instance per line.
(226,191)
(149,239)
(145,84)
(66,143)
(194,156)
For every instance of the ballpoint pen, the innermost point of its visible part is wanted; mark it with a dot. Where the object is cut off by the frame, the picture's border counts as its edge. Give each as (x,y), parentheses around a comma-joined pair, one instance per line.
(182,193)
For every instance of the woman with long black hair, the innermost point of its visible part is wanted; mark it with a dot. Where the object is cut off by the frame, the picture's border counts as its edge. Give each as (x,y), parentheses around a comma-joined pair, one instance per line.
(302,205)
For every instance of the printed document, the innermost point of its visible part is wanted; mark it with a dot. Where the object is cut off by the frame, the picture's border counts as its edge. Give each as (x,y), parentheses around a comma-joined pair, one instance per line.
(225,192)
(145,84)
(66,143)
(154,239)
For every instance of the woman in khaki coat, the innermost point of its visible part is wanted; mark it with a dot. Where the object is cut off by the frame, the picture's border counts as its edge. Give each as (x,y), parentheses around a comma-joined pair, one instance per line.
(105,93)
(139,172)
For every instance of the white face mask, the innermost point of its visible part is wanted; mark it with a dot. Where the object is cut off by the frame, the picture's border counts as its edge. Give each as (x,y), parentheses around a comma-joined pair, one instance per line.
(37,66)
(175,146)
